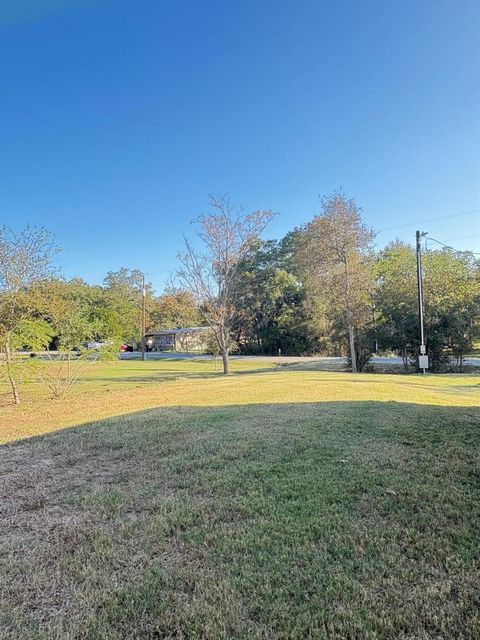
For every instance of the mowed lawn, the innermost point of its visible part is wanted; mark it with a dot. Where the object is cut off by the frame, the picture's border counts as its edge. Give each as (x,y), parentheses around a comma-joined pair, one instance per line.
(162,500)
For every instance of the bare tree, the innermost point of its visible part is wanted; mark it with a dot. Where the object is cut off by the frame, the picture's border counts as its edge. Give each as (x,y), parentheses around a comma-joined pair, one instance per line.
(335,254)
(25,260)
(212,273)
(60,373)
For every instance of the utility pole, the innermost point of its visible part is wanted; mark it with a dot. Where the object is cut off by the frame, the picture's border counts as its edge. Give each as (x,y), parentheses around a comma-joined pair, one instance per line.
(423,358)
(143,315)
(375,340)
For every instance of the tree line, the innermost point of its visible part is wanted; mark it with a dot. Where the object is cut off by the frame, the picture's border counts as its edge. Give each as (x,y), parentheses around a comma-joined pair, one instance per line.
(322,289)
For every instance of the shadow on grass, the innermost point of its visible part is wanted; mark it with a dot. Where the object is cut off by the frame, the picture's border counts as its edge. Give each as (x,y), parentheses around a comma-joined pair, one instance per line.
(333,519)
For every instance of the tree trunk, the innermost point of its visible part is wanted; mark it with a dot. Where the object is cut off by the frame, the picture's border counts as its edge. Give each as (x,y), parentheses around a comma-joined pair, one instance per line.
(353,355)
(13,384)
(222,341)
(351,334)
(226,364)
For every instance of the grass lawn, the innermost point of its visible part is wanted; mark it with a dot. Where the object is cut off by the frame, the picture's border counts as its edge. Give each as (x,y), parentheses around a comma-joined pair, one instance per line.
(271,504)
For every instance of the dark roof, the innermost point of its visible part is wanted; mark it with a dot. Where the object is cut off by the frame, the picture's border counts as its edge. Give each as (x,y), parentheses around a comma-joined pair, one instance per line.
(170,332)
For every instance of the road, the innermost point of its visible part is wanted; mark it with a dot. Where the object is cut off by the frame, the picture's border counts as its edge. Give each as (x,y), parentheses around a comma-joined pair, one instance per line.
(391,361)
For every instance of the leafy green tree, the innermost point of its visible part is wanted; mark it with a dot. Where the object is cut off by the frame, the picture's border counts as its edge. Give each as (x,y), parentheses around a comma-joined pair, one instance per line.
(451,303)
(123,291)
(396,300)
(78,312)
(25,260)
(336,256)
(31,334)
(272,311)
(175,308)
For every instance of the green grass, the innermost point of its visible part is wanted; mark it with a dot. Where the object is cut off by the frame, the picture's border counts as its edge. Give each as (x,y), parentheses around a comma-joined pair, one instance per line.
(270,504)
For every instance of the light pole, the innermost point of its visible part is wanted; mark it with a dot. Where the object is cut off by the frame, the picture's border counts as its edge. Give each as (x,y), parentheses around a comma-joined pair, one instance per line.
(423,359)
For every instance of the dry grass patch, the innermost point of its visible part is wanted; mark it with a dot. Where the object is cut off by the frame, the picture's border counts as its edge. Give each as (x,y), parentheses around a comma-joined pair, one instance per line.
(123,387)
(266,505)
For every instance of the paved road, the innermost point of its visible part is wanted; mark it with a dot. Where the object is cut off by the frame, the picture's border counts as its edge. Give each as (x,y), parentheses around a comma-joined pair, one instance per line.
(161,355)
(471,362)
(164,355)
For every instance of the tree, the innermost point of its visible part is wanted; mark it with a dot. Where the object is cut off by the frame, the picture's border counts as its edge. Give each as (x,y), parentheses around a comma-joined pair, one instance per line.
(174,309)
(227,235)
(451,303)
(25,260)
(336,257)
(396,303)
(78,312)
(123,289)
(273,312)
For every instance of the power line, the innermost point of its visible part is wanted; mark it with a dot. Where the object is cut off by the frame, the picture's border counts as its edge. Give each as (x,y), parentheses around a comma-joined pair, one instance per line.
(472,235)
(413,224)
(449,247)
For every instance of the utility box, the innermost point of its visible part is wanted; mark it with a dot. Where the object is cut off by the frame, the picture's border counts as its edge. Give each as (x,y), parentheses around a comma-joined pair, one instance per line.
(423,362)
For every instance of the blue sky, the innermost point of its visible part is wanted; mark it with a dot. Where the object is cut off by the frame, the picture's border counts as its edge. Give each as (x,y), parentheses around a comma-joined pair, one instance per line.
(118,118)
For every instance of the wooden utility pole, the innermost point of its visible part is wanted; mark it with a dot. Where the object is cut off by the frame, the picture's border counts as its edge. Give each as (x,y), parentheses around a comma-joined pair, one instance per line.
(422,359)
(143,315)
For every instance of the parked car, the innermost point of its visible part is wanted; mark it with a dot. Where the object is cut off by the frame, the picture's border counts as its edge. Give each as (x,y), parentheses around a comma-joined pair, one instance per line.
(95,344)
